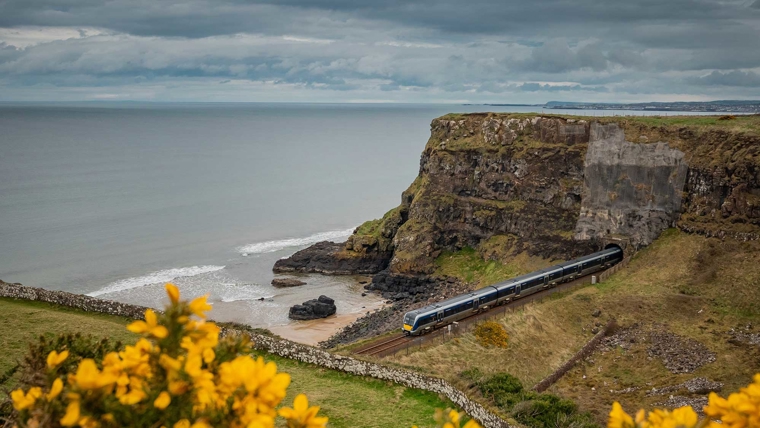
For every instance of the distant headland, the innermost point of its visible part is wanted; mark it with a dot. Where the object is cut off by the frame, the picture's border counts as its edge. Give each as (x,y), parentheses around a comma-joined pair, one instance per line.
(727,106)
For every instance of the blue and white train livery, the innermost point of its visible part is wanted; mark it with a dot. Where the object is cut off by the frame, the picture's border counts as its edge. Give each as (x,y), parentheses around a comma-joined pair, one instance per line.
(420,321)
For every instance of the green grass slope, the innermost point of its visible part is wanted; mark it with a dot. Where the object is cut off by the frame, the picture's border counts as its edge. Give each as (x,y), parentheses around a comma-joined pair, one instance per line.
(349,401)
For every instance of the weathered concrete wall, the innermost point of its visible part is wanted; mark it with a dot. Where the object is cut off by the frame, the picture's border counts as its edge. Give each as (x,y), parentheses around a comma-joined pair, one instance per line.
(276,346)
(629,189)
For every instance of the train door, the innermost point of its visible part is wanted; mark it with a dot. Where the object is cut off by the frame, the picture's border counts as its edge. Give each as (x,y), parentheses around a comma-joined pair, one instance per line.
(546,281)
(517,290)
(439,316)
(475,305)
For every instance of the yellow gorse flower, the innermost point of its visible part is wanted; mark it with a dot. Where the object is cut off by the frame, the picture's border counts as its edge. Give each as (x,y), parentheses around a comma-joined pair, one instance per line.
(199,306)
(619,418)
(55,390)
(54,359)
(451,419)
(173,293)
(71,418)
(740,410)
(22,401)
(174,368)
(301,415)
(149,326)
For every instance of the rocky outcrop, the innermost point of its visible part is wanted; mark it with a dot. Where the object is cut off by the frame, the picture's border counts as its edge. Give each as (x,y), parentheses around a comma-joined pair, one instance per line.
(629,189)
(552,187)
(332,259)
(313,309)
(286,282)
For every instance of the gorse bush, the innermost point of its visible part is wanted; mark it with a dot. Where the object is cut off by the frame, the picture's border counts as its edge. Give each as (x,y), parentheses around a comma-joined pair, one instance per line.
(491,333)
(740,410)
(180,374)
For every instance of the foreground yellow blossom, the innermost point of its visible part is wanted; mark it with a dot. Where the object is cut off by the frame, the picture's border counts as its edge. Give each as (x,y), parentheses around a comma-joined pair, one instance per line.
(55,359)
(150,326)
(301,415)
(23,401)
(173,293)
(740,410)
(450,419)
(179,374)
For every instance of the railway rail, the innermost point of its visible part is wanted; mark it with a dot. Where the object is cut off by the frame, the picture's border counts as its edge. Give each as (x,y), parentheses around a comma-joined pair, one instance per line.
(397,342)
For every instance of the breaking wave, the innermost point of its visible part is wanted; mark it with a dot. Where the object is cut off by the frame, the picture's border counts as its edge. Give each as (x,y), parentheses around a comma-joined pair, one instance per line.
(272,246)
(154,278)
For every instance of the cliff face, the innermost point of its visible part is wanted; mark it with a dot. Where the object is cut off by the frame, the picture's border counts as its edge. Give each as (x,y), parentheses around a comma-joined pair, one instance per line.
(552,186)
(484,180)
(629,189)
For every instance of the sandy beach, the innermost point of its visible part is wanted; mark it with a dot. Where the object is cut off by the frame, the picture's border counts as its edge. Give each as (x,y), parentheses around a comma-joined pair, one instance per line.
(315,331)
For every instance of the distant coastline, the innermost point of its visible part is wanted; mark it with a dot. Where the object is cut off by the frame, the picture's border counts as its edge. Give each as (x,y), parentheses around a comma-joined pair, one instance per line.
(720,106)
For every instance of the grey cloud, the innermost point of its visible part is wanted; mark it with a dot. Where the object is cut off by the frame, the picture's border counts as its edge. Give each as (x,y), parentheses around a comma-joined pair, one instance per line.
(555,56)
(748,79)
(424,49)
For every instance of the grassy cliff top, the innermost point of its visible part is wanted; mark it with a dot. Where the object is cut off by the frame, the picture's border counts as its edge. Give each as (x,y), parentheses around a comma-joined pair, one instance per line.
(349,401)
(749,124)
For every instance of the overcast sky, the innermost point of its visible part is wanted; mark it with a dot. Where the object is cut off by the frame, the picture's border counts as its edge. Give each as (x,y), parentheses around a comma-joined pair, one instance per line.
(492,51)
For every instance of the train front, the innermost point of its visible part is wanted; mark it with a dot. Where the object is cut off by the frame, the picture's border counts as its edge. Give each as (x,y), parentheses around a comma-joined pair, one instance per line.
(408,323)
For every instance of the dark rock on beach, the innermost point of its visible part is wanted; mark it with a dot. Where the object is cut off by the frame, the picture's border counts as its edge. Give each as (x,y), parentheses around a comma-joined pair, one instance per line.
(286,282)
(313,309)
(332,259)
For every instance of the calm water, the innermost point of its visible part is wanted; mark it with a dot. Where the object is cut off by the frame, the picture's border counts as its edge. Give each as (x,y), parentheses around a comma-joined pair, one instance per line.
(113,200)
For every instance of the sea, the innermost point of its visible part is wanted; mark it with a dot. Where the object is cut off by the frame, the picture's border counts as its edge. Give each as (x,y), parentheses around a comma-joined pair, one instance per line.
(113,200)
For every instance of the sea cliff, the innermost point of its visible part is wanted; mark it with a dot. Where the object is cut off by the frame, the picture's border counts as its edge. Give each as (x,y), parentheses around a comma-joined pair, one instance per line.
(553,188)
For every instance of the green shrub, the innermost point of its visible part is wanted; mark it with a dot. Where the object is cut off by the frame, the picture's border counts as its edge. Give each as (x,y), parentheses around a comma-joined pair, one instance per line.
(529,407)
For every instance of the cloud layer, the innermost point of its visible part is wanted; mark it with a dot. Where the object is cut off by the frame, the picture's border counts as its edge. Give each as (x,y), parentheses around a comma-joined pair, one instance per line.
(389,50)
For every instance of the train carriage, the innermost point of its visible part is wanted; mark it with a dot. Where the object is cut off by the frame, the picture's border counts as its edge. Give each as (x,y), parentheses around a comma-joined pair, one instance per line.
(433,316)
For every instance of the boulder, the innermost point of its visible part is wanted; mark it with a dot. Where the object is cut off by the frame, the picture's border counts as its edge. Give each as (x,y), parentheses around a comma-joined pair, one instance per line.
(313,309)
(286,282)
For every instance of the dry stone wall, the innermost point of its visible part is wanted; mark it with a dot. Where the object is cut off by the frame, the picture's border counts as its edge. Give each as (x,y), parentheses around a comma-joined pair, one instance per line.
(276,346)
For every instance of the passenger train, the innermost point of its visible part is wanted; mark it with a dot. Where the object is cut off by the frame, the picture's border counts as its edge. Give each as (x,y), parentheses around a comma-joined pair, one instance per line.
(423,320)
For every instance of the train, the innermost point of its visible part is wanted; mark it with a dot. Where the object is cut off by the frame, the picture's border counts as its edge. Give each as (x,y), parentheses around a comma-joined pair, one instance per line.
(428,318)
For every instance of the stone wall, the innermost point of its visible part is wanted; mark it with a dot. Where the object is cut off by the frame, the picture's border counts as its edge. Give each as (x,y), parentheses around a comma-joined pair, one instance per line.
(584,352)
(276,346)
(77,301)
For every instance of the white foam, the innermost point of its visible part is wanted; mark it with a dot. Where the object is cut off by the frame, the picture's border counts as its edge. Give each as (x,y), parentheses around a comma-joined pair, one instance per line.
(154,278)
(272,246)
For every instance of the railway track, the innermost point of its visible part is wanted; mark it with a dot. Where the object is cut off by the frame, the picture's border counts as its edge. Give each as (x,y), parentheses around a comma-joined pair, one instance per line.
(379,347)
(390,345)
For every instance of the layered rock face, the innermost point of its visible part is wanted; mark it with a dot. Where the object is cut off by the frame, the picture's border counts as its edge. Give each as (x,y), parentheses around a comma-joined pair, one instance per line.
(550,186)
(484,178)
(633,190)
